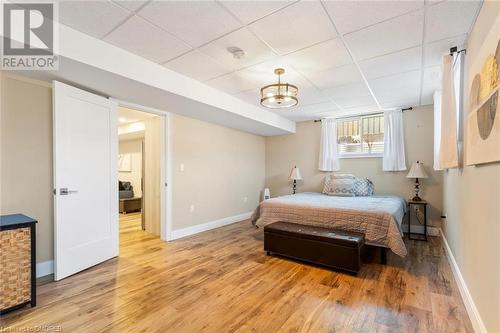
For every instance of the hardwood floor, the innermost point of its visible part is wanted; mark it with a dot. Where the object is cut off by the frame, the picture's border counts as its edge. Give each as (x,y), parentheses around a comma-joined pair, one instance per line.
(222,281)
(129,223)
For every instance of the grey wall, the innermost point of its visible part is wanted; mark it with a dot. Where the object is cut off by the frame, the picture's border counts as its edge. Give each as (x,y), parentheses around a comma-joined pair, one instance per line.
(472,194)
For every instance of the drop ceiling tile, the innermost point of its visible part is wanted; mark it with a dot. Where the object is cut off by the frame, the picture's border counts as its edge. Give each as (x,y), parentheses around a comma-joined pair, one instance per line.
(95,18)
(393,63)
(195,22)
(309,95)
(359,110)
(397,87)
(235,82)
(400,104)
(432,82)
(264,72)
(257,76)
(250,11)
(255,50)
(337,76)
(354,15)
(390,36)
(298,113)
(318,108)
(351,95)
(450,18)
(355,101)
(197,66)
(309,112)
(434,52)
(327,114)
(131,5)
(160,46)
(331,53)
(295,27)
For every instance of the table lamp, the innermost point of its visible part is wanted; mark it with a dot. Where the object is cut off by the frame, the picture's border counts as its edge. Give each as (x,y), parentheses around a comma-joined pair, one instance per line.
(295,175)
(416,171)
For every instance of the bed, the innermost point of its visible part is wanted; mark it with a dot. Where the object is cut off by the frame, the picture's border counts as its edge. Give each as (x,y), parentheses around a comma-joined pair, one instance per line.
(378,217)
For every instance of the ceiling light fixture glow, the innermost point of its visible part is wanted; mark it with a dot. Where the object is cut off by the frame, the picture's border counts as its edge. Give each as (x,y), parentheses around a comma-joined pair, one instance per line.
(279,95)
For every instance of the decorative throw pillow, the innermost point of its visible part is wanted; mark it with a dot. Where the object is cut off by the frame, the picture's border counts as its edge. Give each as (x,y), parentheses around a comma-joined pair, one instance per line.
(330,177)
(342,187)
(363,187)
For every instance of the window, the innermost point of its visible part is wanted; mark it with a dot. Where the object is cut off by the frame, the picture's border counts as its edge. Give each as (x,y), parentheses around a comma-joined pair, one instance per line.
(361,136)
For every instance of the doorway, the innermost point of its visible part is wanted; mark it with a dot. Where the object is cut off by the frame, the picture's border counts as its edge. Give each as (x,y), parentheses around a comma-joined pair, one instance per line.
(86,187)
(139,172)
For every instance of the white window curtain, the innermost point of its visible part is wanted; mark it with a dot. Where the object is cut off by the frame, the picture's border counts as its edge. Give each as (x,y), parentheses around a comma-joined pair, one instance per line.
(394,142)
(328,149)
(437,129)
(458,83)
(448,147)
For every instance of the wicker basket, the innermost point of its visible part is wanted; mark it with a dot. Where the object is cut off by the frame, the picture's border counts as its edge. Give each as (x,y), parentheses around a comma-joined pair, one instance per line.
(15,267)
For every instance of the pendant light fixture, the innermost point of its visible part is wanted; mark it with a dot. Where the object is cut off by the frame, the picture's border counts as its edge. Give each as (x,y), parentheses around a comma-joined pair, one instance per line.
(279,95)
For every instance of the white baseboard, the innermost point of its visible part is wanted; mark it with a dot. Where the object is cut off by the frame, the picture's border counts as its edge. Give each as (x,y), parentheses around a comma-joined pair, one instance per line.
(44,268)
(184,232)
(419,229)
(475,317)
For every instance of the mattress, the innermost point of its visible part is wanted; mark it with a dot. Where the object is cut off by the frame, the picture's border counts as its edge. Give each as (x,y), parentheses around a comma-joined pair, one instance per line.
(378,217)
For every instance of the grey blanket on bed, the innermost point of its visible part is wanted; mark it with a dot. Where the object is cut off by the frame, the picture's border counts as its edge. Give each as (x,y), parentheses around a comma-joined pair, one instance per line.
(378,217)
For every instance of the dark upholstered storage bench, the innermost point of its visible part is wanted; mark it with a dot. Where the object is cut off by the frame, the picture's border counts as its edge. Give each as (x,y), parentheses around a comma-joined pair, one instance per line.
(323,246)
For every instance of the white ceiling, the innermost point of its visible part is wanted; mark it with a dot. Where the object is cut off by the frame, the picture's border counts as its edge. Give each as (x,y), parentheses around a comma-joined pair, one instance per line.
(345,56)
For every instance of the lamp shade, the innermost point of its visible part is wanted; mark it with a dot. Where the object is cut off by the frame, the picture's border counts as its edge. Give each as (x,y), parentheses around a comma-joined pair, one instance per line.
(295,174)
(416,171)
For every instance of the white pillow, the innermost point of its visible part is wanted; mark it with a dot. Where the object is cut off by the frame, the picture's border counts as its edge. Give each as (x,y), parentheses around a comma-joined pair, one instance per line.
(327,188)
(342,187)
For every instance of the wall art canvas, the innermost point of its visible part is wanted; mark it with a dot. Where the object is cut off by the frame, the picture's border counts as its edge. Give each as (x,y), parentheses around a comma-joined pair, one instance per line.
(125,163)
(483,120)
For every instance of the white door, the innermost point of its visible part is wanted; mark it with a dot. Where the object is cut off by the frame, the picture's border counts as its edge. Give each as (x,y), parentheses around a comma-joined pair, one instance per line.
(85,179)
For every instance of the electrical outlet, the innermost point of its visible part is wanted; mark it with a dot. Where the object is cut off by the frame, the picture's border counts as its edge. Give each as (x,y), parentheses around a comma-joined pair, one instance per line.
(191,208)
(181,167)
(245,199)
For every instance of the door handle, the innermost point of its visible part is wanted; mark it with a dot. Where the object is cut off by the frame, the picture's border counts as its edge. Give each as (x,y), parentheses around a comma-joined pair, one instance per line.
(66,191)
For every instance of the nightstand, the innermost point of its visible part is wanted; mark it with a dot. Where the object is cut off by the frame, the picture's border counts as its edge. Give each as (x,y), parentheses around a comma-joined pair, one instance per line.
(422,203)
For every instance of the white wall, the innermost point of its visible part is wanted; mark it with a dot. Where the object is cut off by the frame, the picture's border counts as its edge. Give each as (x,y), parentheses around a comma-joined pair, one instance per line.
(132,147)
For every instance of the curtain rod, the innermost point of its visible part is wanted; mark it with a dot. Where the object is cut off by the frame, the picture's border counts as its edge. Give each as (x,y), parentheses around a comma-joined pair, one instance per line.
(363,114)
(454,49)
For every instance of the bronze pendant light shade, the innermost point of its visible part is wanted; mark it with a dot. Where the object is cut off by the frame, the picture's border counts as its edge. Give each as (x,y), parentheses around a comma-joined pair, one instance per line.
(279,95)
